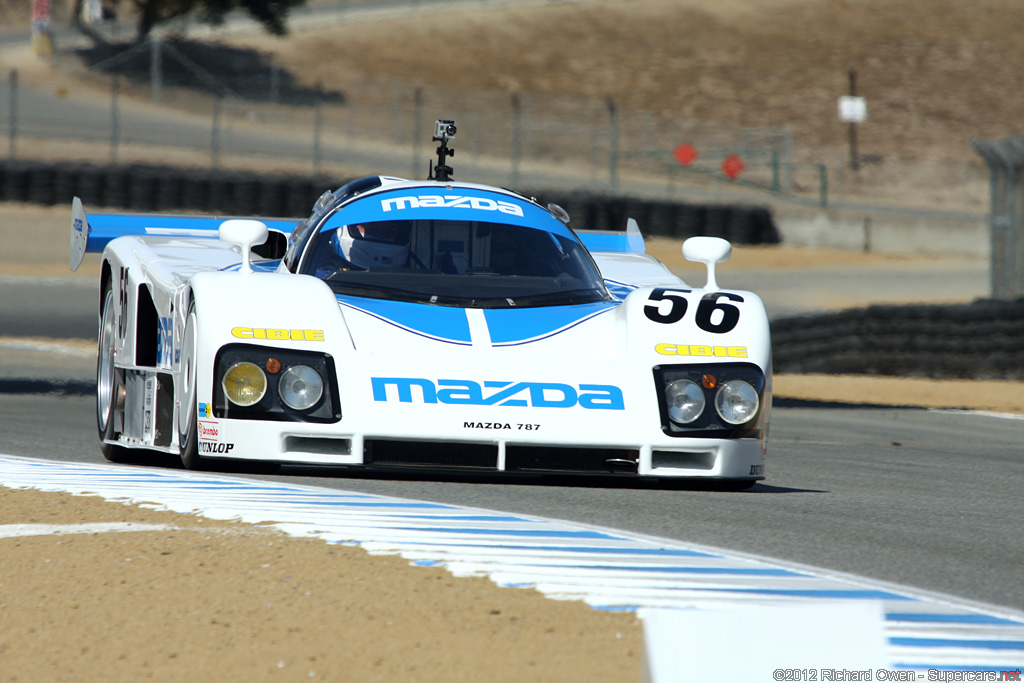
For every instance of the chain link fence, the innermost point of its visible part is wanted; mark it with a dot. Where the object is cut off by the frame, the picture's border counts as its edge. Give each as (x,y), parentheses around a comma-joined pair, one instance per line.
(166,96)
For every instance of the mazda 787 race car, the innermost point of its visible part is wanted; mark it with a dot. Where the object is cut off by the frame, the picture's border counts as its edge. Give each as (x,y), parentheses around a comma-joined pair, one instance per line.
(423,324)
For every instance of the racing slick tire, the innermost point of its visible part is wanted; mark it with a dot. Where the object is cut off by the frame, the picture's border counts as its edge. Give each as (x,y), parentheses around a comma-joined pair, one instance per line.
(109,386)
(188,427)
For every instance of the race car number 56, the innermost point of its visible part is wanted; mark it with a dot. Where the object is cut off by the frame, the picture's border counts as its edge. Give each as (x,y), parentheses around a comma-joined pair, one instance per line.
(713,315)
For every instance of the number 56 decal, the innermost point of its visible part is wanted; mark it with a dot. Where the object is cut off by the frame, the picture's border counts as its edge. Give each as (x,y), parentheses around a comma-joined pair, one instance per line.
(706,318)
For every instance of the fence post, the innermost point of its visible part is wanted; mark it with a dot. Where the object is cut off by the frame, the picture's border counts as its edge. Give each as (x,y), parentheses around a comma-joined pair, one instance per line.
(14,115)
(822,186)
(417,128)
(155,69)
(215,132)
(275,82)
(787,157)
(613,145)
(318,122)
(517,125)
(115,119)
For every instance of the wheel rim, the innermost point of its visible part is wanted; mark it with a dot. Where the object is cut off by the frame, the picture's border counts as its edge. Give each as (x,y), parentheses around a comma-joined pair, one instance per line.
(105,381)
(188,379)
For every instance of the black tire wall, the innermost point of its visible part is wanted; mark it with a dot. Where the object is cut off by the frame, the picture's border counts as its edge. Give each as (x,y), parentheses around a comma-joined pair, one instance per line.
(980,340)
(146,189)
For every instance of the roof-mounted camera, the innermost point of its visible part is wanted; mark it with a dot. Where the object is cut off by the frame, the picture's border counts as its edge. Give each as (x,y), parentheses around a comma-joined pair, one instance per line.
(444,130)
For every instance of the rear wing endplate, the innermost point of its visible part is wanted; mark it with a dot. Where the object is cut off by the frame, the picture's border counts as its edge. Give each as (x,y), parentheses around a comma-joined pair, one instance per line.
(628,242)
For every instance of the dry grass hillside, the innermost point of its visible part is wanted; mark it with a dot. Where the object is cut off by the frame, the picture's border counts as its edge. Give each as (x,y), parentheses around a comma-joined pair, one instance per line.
(936,73)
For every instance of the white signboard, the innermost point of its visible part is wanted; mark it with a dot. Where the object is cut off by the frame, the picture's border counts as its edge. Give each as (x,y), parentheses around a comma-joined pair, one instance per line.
(853,109)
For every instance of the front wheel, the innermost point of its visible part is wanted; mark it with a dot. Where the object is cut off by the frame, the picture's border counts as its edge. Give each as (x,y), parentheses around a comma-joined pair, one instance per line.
(188,428)
(109,385)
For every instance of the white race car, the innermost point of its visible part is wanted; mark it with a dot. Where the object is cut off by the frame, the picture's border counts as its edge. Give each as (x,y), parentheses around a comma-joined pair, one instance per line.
(424,324)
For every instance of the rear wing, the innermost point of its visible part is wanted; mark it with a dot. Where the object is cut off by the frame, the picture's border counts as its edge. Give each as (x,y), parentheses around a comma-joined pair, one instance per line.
(606,241)
(91,232)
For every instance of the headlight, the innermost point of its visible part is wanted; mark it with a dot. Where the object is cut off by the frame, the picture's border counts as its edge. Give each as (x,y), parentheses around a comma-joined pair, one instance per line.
(685,401)
(736,402)
(300,387)
(244,384)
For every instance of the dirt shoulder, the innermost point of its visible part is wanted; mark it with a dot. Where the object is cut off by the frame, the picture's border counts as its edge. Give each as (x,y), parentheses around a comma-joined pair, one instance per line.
(227,602)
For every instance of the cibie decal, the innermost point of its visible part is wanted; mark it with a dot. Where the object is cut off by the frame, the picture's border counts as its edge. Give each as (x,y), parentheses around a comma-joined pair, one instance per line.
(522,394)
(205,410)
(456,201)
(701,350)
(276,334)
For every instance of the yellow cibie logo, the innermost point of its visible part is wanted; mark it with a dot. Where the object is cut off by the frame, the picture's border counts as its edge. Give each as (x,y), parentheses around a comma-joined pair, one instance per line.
(701,350)
(272,334)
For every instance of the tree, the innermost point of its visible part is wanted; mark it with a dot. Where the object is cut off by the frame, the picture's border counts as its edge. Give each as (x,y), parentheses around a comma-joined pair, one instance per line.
(271,13)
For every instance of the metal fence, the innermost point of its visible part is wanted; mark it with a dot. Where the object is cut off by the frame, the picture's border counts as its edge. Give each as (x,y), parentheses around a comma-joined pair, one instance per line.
(1005,159)
(160,101)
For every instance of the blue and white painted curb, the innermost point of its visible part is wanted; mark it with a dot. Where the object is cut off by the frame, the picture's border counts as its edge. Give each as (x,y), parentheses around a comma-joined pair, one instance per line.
(607,569)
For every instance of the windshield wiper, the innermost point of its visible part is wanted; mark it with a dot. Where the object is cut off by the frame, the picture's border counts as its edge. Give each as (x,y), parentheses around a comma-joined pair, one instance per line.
(575,296)
(373,291)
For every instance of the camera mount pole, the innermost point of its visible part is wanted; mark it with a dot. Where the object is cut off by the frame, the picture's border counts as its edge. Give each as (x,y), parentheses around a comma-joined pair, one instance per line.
(442,171)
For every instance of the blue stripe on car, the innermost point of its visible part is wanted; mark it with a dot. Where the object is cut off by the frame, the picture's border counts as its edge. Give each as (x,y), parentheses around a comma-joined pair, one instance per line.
(104,227)
(509,326)
(440,323)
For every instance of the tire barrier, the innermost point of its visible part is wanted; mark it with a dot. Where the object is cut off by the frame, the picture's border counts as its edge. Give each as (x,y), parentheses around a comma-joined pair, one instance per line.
(979,340)
(146,188)
(737,223)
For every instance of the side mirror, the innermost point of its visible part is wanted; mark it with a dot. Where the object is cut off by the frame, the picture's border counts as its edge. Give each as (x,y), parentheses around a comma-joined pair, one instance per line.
(710,251)
(245,234)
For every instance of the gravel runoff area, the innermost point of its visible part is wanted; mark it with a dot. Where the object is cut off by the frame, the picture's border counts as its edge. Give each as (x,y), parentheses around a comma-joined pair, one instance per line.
(227,601)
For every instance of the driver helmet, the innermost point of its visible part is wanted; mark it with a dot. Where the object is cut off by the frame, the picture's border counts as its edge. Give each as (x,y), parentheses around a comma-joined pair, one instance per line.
(384,243)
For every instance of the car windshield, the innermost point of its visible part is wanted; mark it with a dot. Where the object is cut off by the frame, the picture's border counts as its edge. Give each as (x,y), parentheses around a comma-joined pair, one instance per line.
(471,264)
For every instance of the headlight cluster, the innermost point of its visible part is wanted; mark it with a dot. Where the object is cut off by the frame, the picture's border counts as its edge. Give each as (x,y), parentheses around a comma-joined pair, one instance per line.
(274,384)
(713,401)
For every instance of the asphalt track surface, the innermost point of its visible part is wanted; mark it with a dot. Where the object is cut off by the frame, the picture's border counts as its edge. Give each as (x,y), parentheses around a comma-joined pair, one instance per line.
(925,499)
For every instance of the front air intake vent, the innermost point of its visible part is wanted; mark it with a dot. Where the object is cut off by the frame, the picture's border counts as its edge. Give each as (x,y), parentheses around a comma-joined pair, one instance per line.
(390,453)
(571,459)
(683,460)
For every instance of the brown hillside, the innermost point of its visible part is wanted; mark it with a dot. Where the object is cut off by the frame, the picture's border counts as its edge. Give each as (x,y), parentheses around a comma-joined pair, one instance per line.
(936,73)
